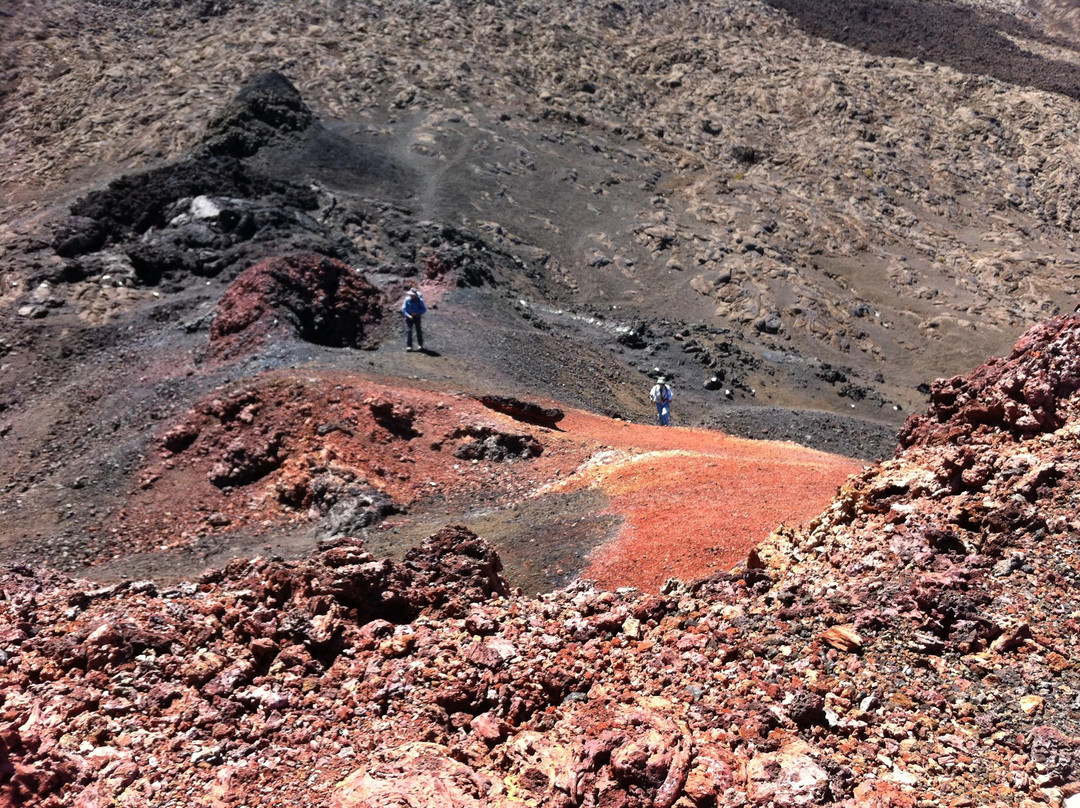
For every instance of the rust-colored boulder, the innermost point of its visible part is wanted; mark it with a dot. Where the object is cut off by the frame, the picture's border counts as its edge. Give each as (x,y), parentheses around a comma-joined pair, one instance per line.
(315,298)
(1019,395)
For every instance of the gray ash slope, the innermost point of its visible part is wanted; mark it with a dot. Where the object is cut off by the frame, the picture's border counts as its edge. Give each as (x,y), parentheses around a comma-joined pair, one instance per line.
(269,178)
(706,191)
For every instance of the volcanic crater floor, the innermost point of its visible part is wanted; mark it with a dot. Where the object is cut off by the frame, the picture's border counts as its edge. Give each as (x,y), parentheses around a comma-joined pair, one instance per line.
(613,502)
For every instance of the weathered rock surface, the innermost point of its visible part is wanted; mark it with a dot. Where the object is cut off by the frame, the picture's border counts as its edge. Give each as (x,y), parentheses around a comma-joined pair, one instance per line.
(486,443)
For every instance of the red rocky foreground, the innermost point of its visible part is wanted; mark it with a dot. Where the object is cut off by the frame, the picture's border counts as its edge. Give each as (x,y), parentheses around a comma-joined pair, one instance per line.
(916,645)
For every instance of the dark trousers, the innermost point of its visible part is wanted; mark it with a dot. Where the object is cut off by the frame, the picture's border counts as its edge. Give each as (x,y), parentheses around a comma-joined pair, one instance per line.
(410,324)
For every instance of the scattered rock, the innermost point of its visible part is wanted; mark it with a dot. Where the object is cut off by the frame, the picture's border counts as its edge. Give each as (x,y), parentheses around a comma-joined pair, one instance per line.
(247,459)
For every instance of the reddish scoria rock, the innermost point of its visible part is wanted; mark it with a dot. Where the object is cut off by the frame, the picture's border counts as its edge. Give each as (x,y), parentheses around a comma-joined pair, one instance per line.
(351,681)
(318,299)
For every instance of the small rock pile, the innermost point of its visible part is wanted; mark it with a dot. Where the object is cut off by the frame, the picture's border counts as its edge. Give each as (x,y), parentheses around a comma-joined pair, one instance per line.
(915,646)
(1021,392)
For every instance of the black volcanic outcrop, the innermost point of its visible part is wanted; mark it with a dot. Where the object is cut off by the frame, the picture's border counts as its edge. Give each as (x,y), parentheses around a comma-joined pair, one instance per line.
(209,212)
(199,217)
(264,111)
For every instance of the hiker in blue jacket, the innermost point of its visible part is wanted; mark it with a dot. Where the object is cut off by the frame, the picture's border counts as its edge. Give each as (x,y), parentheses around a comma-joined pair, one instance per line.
(661,397)
(412,309)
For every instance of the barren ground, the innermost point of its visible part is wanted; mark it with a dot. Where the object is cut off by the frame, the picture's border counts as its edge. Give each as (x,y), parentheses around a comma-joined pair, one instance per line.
(766,208)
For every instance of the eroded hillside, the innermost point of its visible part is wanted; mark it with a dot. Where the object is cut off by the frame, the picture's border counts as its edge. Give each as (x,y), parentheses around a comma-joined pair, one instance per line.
(858,216)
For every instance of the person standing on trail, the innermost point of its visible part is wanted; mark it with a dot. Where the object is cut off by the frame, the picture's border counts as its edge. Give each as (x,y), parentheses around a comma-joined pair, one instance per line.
(661,397)
(412,309)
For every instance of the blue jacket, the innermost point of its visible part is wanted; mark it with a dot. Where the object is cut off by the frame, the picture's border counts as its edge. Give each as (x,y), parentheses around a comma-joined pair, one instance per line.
(413,305)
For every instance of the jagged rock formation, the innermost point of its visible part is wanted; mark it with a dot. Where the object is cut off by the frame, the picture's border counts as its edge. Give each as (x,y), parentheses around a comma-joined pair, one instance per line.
(1021,393)
(916,645)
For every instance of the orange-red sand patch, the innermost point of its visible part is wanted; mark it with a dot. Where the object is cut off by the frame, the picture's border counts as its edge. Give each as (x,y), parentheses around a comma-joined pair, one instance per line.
(694,502)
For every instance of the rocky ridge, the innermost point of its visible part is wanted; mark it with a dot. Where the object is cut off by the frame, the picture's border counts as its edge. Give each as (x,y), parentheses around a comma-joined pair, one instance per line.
(914,646)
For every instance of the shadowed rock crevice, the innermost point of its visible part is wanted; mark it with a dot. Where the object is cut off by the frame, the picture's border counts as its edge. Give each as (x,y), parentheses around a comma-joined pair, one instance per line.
(527,411)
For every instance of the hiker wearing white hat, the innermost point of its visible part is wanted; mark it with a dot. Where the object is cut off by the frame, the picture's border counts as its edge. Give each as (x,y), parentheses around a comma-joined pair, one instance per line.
(412,309)
(660,395)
